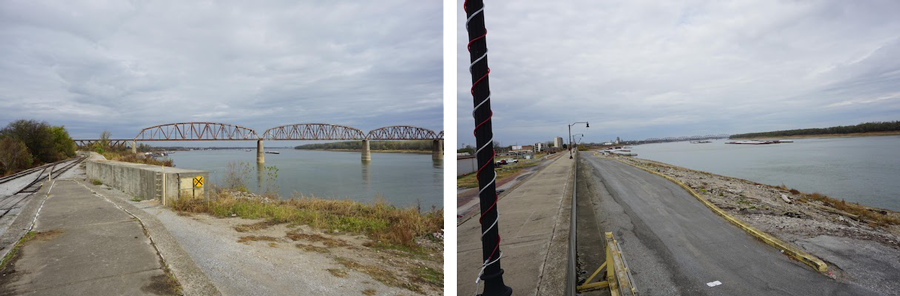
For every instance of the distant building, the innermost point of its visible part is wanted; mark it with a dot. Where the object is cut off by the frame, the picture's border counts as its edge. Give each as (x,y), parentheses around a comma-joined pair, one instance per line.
(521,149)
(465,164)
(557,142)
(617,140)
(538,147)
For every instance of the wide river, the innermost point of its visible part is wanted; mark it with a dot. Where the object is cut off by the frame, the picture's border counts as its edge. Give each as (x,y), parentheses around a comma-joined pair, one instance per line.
(864,170)
(402,179)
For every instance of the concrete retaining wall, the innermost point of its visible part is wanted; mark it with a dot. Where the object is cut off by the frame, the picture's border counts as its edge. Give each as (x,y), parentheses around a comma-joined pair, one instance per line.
(140,180)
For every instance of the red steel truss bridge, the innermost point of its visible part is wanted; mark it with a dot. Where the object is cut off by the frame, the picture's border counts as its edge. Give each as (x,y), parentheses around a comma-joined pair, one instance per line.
(213,131)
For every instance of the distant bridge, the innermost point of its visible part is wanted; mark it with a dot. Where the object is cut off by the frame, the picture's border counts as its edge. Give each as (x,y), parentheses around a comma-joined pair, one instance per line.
(214,131)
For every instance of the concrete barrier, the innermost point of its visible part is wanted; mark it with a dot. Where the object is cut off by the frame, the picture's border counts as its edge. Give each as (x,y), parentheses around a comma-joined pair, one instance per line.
(146,181)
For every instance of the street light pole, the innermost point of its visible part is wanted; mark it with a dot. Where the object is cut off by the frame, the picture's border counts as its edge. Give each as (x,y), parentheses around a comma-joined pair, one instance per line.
(586,125)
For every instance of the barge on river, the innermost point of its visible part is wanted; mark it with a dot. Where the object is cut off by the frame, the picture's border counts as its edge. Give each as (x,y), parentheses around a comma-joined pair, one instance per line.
(755,142)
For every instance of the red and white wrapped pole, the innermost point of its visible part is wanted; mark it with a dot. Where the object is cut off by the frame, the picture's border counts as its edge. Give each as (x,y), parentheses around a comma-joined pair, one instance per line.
(490,273)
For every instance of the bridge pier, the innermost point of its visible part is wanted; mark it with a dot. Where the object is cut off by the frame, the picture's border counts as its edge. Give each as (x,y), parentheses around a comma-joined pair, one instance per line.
(437,150)
(366,154)
(134,147)
(260,154)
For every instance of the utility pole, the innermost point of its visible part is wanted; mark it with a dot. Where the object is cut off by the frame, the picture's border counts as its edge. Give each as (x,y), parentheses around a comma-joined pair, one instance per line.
(491,272)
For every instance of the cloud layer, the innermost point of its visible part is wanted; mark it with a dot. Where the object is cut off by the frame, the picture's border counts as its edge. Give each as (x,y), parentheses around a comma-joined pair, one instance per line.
(641,69)
(125,65)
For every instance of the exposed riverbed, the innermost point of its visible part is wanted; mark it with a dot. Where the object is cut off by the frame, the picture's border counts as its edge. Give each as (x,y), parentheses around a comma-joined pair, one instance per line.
(863,169)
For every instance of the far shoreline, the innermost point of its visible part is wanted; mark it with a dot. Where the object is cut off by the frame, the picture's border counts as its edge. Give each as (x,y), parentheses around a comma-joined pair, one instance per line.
(373,151)
(825,136)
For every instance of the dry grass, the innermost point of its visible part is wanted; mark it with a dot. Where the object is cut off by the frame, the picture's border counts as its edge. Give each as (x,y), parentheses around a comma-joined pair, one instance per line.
(369,292)
(866,214)
(136,158)
(255,238)
(253,226)
(469,180)
(311,248)
(316,238)
(379,274)
(383,223)
(338,272)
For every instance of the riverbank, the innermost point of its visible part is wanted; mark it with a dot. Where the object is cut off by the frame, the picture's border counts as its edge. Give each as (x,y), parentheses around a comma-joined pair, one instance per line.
(860,244)
(851,135)
(401,248)
(373,151)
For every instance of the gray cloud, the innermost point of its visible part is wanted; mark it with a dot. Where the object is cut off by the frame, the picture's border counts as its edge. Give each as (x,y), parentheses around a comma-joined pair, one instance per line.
(640,69)
(125,65)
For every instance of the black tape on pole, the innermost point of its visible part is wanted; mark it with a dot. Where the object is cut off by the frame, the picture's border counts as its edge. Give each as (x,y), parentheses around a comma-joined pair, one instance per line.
(490,273)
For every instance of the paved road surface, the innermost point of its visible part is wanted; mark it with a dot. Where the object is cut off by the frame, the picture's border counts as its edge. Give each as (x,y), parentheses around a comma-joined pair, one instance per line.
(85,246)
(675,245)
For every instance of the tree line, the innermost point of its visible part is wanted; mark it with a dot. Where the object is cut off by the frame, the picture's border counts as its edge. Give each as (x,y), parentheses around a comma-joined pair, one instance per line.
(373,145)
(28,143)
(868,127)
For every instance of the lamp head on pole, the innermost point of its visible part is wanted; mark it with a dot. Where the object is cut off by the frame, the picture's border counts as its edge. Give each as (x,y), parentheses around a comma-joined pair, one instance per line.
(587,124)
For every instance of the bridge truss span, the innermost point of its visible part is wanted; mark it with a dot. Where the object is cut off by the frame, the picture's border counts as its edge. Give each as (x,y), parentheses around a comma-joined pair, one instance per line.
(314,131)
(401,132)
(196,131)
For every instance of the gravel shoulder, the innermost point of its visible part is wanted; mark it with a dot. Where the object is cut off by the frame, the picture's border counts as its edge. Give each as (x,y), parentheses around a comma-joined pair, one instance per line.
(282,259)
(858,249)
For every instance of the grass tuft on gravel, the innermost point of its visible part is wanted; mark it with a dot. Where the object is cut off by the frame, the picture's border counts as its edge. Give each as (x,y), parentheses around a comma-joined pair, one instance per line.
(379,274)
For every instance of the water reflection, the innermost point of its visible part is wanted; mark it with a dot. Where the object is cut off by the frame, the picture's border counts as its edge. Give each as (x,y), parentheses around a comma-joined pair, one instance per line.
(259,177)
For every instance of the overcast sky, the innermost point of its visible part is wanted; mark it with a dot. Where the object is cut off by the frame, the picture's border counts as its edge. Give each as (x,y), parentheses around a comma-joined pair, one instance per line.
(642,69)
(125,65)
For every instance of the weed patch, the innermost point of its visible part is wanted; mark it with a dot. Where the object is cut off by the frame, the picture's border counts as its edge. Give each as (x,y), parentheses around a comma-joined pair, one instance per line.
(379,274)
(253,226)
(311,248)
(429,276)
(338,272)
(256,238)
(381,222)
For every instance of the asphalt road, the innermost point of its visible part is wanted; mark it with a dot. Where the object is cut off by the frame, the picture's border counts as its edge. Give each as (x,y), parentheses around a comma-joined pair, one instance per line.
(675,245)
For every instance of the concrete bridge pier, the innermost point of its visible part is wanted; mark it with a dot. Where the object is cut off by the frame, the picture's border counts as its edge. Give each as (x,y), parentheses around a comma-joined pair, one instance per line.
(134,147)
(260,154)
(366,154)
(437,150)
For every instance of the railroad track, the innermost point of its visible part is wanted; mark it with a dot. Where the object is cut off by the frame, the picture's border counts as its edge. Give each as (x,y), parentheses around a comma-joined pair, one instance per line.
(28,171)
(7,203)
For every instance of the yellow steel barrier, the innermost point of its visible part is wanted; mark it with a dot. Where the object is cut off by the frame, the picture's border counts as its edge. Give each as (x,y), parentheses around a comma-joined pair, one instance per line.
(618,278)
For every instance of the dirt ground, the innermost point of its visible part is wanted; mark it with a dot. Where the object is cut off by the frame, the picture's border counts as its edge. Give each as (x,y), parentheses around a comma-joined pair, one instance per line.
(347,259)
(860,248)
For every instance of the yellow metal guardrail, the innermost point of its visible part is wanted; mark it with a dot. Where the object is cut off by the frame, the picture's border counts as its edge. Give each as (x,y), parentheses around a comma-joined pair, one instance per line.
(789,250)
(618,277)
